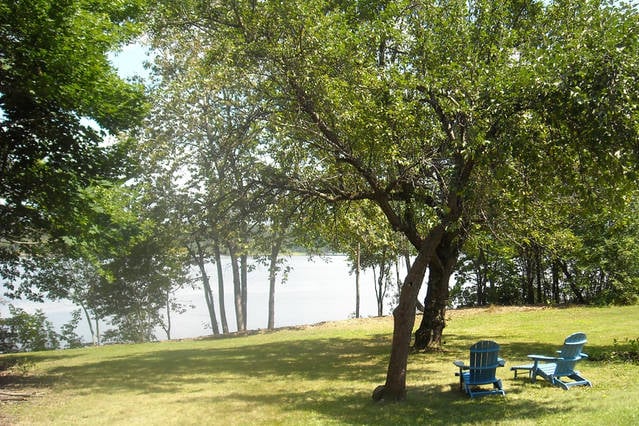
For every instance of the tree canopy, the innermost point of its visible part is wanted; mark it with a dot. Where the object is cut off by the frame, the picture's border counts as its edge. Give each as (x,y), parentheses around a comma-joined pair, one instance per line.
(59,100)
(438,112)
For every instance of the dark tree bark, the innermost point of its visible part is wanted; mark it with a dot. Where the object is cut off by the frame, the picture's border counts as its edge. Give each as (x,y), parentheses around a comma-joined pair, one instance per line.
(210,303)
(571,282)
(357,273)
(403,321)
(555,282)
(480,276)
(167,326)
(541,294)
(528,277)
(440,269)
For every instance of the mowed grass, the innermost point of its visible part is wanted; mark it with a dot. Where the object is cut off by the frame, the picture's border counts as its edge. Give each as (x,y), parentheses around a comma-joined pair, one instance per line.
(325,374)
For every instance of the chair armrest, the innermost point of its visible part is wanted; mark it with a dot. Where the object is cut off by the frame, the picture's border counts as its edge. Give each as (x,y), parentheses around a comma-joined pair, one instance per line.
(583,355)
(461,365)
(501,362)
(543,358)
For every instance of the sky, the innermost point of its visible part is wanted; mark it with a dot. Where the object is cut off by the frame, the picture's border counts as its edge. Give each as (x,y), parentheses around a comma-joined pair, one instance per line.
(129,61)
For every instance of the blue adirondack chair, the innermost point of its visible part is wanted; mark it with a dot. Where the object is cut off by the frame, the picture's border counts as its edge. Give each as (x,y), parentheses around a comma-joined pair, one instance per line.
(484,360)
(553,369)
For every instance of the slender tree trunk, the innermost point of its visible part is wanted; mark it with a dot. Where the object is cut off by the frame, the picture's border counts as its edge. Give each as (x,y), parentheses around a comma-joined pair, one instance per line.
(206,285)
(237,289)
(379,291)
(403,320)
(89,322)
(571,282)
(539,275)
(244,287)
(97,329)
(381,284)
(480,267)
(555,282)
(492,295)
(358,253)
(167,328)
(220,287)
(528,277)
(210,303)
(272,275)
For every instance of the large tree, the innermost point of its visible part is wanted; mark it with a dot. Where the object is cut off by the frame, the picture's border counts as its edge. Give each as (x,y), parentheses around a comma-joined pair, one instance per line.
(59,98)
(427,108)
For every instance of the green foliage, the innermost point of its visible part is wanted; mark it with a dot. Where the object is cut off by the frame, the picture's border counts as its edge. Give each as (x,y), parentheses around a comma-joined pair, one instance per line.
(625,351)
(431,111)
(139,286)
(26,332)
(68,334)
(591,257)
(59,99)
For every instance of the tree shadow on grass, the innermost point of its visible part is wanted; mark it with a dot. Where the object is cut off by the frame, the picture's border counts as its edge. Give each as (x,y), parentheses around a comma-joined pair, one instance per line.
(433,405)
(168,370)
(329,377)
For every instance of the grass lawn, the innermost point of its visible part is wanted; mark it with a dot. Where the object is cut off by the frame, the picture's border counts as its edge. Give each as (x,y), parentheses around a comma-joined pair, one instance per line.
(325,374)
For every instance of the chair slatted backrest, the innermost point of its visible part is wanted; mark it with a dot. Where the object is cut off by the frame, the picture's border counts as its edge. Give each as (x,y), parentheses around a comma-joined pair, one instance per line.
(483,360)
(570,353)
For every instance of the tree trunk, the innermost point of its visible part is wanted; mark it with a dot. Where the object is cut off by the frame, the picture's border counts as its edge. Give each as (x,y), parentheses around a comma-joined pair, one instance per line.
(403,320)
(272,275)
(97,329)
(440,269)
(381,283)
(528,276)
(357,272)
(555,282)
(480,268)
(237,289)
(206,285)
(210,303)
(167,328)
(541,297)
(571,282)
(88,317)
(418,303)
(244,286)
(379,291)
(220,287)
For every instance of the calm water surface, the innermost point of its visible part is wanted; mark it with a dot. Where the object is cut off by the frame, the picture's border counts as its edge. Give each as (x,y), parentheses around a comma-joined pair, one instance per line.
(316,290)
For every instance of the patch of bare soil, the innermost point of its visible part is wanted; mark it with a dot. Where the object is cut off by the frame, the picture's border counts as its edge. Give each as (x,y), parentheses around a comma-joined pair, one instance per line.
(17,386)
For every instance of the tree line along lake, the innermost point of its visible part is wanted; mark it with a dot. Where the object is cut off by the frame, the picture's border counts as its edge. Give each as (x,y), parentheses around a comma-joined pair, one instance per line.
(317,289)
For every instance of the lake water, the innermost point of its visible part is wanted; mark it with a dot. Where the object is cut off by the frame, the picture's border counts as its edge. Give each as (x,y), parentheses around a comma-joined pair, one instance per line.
(316,290)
